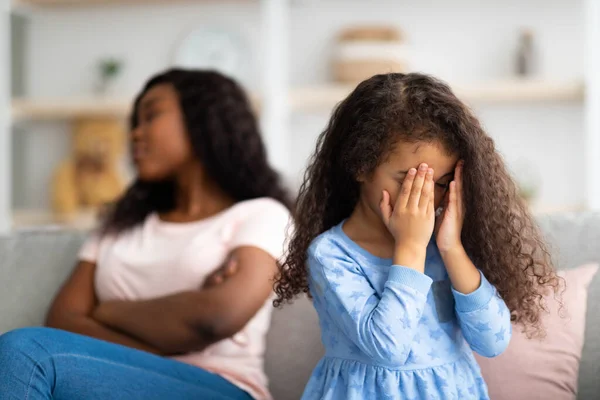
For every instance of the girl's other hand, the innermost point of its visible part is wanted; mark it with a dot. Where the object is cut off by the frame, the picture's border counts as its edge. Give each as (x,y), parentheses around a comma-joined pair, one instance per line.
(449,224)
(411,220)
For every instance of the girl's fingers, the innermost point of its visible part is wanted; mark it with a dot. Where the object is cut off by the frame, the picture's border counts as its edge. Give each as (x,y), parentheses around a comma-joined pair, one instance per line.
(431,205)
(451,206)
(458,172)
(385,207)
(427,191)
(459,188)
(407,185)
(417,187)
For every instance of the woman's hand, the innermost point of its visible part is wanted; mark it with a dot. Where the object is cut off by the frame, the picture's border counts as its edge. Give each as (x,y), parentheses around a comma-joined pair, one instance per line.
(411,220)
(219,276)
(449,224)
(102,313)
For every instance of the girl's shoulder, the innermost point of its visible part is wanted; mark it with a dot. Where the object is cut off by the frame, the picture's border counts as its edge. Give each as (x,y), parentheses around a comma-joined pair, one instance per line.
(328,244)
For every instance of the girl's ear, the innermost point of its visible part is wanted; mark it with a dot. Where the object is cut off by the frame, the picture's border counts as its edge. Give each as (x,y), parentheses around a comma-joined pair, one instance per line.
(361,177)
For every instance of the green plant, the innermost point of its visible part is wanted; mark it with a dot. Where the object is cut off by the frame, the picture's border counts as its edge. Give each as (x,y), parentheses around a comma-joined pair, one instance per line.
(110,68)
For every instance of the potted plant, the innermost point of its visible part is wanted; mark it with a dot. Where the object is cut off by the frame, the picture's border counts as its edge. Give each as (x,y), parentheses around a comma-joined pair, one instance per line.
(108,70)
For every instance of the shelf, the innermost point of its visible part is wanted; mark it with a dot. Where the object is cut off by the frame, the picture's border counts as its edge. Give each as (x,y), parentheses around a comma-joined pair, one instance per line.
(66,109)
(540,210)
(37,219)
(521,90)
(56,109)
(501,91)
(83,3)
(306,98)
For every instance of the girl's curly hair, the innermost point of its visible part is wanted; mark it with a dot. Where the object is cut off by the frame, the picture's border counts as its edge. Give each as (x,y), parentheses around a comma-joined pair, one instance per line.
(498,232)
(223,134)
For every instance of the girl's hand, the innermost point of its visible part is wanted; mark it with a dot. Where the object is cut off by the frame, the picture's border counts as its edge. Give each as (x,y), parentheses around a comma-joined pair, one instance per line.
(449,224)
(411,220)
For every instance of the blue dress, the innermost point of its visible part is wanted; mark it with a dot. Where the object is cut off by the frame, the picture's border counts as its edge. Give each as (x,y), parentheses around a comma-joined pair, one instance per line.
(391,332)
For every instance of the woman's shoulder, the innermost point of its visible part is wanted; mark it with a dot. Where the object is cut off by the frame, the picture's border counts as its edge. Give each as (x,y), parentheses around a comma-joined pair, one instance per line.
(264,209)
(261,204)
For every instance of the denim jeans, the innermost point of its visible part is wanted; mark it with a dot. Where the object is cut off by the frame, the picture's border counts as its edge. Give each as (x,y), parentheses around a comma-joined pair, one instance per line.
(44,363)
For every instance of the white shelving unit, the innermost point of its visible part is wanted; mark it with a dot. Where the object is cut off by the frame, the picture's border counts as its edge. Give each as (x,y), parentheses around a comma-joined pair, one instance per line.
(71,108)
(322,97)
(57,109)
(84,3)
(5,124)
(24,218)
(592,103)
(501,91)
(274,111)
(277,100)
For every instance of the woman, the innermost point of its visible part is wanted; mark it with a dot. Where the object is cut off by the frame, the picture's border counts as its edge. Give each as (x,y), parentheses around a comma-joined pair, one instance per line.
(205,196)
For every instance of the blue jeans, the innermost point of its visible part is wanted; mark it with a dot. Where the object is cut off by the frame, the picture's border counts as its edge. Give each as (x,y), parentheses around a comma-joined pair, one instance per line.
(44,363)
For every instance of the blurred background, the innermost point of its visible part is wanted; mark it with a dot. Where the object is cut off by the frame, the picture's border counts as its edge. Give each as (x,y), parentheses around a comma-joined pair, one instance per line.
(74,66)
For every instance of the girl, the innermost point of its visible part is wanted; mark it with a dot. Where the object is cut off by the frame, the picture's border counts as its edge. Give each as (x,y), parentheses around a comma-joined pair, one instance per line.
(204,194)
(415,247)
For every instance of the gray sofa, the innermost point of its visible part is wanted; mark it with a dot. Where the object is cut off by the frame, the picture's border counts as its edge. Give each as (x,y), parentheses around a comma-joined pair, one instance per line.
(33,264)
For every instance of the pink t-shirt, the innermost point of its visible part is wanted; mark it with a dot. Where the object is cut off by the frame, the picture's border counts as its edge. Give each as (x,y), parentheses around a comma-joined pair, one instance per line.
(160,258)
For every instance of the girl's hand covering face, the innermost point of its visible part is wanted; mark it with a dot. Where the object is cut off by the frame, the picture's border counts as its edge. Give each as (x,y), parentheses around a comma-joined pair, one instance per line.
(411,219)
(449,224)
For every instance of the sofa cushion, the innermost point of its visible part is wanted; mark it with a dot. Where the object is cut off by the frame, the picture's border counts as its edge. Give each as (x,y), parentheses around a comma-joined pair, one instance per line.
(293,349)
(575,240)
(33,265)
(548,368)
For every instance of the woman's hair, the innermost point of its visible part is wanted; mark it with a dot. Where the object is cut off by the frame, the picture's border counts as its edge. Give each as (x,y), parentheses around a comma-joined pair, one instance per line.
(223,134)
(498,232)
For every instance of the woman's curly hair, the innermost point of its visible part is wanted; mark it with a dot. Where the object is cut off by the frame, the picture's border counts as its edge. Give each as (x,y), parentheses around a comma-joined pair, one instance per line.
(498,232)
(224,135)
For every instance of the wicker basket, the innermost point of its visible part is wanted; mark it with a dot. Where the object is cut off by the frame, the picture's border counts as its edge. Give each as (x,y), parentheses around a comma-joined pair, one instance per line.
(366,51)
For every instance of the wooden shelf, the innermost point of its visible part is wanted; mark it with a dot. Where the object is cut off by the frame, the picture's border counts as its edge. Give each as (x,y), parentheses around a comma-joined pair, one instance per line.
(83,3)
(53,109)
(37,219)
(502,91)
(306,98)
(521,90)
(539,210)
(73,108)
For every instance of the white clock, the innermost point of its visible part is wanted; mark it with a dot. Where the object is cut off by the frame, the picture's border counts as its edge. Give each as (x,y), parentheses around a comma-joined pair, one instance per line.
(214,48)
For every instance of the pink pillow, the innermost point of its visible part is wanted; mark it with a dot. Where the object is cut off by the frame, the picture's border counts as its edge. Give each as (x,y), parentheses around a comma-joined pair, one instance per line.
(544,369)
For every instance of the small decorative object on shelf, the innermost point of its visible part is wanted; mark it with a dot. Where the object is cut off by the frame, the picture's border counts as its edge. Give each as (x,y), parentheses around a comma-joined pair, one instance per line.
(525,60)
(108,70)
(90,178)
(214,48)
(362,52)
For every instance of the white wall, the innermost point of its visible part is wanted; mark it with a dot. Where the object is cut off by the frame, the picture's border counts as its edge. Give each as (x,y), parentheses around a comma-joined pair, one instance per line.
(466,41)
(454,39)
(458,40)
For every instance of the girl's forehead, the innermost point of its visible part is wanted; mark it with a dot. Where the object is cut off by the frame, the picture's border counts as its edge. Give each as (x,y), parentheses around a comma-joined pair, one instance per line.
(407,155)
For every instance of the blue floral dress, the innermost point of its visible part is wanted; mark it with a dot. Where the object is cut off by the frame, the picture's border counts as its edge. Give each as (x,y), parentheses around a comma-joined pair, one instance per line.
(391,332)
